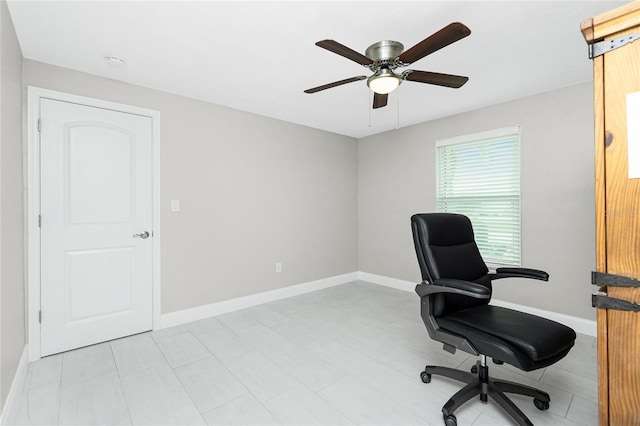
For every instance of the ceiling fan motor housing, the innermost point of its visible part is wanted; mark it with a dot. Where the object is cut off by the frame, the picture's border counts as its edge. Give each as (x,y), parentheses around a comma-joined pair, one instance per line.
(385,50)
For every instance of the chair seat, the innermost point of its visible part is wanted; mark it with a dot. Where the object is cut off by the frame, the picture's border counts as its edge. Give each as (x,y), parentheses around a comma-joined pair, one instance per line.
(525,341)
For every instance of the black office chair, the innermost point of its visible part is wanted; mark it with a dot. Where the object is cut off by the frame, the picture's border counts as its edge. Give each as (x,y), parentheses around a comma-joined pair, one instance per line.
(455,293)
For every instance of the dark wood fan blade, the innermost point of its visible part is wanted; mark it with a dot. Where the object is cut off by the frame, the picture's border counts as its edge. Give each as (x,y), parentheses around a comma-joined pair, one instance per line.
(449,34)
(335,84)
(342,50)
(379,100)
(448,80)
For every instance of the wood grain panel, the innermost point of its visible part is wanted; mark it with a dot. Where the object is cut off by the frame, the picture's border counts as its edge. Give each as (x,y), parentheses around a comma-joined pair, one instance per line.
(616,20)
(622,235)
(603,367)
(601,235)
(599,148)
(623,356)
(622,194)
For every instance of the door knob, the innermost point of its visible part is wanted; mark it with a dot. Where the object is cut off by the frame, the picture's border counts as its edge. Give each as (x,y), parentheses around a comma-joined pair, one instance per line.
(144,235)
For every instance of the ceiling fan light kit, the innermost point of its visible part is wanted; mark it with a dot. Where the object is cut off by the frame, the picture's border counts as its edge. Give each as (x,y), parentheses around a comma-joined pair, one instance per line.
(384,81)
(383,57)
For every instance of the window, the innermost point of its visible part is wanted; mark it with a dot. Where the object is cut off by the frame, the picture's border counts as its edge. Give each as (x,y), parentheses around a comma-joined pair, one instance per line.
(479,176)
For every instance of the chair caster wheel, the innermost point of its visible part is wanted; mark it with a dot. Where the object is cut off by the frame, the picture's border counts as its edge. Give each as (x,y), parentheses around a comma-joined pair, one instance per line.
(474,369)
(450,420)
(426,377)
(541,405)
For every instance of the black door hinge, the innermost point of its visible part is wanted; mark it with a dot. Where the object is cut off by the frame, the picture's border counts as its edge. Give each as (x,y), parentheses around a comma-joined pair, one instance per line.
(605,279)
(601,300)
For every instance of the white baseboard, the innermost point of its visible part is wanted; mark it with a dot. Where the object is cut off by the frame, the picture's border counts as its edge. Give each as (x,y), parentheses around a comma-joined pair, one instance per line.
(387,281)
(580,325)
(11,405)
(171,319)
(201,312)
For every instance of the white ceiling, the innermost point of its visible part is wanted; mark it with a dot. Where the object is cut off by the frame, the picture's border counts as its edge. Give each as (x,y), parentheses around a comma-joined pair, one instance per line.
(260,56)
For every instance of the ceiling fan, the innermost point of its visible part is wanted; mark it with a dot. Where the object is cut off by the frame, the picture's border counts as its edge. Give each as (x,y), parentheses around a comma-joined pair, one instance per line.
(384,57)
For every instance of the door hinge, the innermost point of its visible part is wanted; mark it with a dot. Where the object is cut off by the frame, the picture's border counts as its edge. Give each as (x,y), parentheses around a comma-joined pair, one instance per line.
(39,221)
(39,124)
(604,46)
(40,317)
(605,279)
(602,301)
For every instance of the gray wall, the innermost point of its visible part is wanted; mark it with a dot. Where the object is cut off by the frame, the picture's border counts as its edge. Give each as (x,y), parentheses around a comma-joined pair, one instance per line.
(253,191)
(396,178)
(12,298)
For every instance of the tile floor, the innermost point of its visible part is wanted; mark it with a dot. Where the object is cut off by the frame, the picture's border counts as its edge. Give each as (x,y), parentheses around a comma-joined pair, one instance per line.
(349,354)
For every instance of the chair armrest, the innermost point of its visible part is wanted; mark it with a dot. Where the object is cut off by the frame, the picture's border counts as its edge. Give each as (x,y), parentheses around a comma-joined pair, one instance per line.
(447,285)
(521,273)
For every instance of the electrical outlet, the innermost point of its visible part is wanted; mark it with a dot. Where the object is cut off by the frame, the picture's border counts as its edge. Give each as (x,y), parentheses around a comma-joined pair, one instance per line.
(279,267)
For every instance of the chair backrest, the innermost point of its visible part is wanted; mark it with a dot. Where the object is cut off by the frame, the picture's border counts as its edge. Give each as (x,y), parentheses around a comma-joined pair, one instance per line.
(446,248)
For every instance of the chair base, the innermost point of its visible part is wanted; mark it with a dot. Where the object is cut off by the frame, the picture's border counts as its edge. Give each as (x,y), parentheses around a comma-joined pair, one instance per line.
(479,383)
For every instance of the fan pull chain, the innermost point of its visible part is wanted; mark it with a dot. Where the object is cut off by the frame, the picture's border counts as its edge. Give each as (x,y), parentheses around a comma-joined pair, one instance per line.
(398,110)
(369,106)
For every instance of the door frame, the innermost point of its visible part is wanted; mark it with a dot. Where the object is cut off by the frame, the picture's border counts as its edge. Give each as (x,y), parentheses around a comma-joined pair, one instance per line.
(34,95)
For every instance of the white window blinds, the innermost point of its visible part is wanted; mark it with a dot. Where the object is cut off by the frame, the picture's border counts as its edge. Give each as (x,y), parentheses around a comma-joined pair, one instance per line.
(479,176)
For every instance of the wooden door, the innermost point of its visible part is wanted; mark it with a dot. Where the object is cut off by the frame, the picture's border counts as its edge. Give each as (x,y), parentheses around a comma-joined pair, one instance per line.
(618,214)
(96,205)
(622,210)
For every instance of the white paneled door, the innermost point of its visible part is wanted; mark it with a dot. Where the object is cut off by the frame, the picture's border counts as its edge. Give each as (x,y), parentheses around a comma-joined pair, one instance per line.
(96,225)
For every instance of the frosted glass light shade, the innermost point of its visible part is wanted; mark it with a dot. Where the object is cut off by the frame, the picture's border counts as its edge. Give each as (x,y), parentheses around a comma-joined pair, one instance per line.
(383,82)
